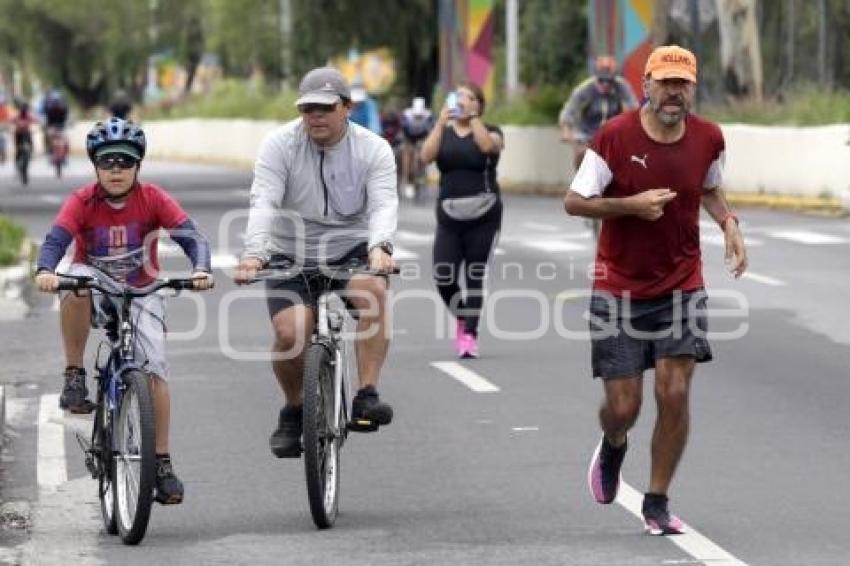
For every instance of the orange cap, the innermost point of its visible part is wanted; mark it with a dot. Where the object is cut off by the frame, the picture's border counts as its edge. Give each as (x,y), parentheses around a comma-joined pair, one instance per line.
(671,62)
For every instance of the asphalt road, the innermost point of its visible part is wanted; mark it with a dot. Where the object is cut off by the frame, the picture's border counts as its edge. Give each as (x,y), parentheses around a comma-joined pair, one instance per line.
(466,477)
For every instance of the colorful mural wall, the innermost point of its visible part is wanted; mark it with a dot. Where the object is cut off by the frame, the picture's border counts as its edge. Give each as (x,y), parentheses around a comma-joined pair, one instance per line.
(466,43)
(622,28)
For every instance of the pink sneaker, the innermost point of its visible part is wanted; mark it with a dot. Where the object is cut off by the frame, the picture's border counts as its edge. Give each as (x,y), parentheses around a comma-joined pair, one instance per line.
(470,346)
(460,338)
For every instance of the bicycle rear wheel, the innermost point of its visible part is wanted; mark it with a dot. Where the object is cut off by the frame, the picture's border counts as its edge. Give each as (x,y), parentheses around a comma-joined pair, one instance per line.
(321,441)
(102,443)
(134,462)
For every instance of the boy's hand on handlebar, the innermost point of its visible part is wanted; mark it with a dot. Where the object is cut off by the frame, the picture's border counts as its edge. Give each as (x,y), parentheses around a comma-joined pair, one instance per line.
(202,281)
(47,282)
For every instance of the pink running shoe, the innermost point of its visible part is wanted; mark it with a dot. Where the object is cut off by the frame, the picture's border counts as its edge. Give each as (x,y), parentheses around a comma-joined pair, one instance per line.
(470,346)
(657,519)
(460,338)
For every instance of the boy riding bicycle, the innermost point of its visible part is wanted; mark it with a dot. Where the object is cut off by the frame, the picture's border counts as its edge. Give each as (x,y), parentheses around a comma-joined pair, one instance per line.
(114,223)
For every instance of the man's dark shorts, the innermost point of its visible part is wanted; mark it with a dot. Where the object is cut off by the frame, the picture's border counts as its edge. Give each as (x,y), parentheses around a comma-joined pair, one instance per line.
(628,336)
(304,290)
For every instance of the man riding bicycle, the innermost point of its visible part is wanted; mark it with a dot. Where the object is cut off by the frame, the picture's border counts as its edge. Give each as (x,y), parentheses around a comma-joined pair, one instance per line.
(114,224)
(324,193)
(592,103)
(416,122)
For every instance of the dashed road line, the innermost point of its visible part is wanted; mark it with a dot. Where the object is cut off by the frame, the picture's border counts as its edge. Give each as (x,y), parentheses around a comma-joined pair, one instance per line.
(466,376)
(765,279)
(807,237)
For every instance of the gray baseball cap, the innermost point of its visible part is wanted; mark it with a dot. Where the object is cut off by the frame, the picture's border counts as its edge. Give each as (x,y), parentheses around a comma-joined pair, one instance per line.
(324,85)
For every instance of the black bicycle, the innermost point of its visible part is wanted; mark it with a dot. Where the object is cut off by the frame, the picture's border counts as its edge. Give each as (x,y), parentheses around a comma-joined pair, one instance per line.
(327,388)
(121,452)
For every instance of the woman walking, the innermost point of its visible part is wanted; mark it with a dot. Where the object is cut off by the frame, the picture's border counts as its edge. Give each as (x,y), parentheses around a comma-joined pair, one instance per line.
(469,208)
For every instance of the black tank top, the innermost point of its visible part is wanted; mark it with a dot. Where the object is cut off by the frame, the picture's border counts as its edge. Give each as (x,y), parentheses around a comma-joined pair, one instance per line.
(464,169)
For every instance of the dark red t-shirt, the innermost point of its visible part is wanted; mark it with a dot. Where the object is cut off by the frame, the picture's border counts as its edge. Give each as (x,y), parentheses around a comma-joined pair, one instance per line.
(645,258)
(120,241)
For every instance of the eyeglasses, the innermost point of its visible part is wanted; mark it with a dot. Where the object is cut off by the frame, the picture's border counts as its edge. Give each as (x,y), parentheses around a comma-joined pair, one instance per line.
(311,107)
(115,160)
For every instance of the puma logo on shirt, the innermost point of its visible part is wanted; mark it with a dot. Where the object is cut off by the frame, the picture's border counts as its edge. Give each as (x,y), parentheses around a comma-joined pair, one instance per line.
(641,160)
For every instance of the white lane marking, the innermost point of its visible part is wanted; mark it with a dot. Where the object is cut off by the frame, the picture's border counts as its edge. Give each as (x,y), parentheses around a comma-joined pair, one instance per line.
(692,541)
(525,428)
(541,227)
(500,251)
(51,199)
(51,469)
(402,253)
(556,246)
(807,237)
(766,279)
(224,261)
(466,376)
(414,237)
(719,240)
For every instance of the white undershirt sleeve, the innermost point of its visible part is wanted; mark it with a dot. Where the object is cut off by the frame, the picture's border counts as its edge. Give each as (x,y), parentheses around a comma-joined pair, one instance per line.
(592,177)
(715,172)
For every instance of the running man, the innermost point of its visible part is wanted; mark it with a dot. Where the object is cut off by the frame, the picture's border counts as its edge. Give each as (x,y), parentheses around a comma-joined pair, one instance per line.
(646,173)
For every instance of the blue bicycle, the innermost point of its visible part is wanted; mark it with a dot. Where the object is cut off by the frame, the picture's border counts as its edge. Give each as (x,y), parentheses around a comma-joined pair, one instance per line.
(121,454)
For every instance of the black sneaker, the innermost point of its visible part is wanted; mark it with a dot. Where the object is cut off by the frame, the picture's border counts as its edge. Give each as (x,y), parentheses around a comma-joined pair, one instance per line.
(657,519)
(603,476)
(285,441)
(368,412)
(169,488)
(75,393)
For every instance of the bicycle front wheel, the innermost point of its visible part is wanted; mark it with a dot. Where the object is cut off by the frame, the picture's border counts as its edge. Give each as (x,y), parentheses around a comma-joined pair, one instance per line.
(134,462)
(321,441)
(102,443)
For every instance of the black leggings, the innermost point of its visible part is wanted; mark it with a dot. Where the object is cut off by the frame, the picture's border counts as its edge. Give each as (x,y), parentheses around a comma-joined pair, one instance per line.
(464,247)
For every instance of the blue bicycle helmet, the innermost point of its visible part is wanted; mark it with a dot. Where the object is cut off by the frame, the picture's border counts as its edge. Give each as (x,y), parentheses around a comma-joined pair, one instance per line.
(116,136)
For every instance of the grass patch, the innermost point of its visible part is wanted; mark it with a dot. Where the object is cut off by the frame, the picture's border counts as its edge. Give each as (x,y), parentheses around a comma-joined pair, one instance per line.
(11,238)
(231,98)
(806,106)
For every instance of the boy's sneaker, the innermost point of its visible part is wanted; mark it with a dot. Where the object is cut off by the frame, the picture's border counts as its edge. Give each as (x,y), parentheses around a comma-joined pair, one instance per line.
(657,519)
(368,412)
(169,488)
(285,441)
(74,393)
(603,476)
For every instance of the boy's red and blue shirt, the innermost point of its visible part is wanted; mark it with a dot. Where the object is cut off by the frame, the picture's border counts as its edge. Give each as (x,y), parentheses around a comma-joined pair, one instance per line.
(122,241)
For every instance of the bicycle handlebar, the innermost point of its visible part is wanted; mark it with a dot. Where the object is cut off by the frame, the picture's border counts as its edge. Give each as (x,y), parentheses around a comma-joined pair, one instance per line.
(79,282)
(289,271)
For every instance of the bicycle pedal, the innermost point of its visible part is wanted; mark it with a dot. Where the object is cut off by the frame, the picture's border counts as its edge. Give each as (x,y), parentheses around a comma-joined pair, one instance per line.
(363,425)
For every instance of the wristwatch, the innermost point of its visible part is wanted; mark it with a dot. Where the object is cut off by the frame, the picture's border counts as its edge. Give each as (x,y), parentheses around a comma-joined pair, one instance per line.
(386,246)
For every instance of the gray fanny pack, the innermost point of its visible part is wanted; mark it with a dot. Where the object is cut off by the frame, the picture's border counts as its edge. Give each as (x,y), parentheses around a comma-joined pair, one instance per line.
(469,208)
(472,207)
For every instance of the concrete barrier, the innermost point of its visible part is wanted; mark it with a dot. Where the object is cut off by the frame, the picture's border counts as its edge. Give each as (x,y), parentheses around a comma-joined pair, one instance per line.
(811,162)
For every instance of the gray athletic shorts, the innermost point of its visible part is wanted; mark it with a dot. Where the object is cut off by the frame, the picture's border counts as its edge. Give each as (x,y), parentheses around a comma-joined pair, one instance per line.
(148,314)
(628,336)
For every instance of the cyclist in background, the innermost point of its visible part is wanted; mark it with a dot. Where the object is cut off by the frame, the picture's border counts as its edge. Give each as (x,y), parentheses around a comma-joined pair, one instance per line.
(121,105)
(22,134)
(55,111)
(416,123)
(5,119)
(592,103)
(112,222)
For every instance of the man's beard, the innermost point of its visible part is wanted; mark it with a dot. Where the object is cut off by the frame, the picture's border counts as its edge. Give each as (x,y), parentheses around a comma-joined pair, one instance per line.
(668,118)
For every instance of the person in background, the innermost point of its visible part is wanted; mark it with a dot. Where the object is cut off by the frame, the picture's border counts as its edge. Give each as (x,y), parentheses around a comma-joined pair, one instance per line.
(364,109)
(416,122)
(469,207)
(121,105)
